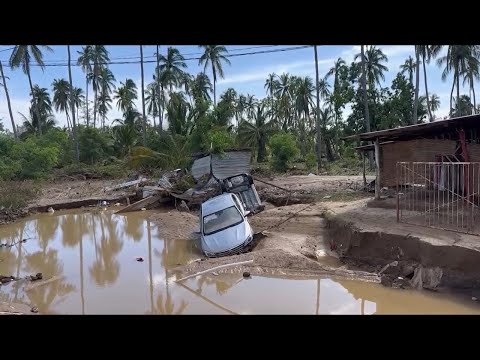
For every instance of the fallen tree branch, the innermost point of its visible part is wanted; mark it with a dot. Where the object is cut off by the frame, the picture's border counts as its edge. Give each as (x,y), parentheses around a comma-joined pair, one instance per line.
(214,268)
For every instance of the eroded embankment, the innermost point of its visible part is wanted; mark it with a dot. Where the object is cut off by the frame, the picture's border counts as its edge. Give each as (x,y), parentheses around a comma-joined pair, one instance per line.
(417,259)
(292,244)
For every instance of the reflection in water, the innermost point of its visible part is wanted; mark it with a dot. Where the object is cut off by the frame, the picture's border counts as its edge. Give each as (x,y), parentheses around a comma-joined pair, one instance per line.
(105,269)
(93,253)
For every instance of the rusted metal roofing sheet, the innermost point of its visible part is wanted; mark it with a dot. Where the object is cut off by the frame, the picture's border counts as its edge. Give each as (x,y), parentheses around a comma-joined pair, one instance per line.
(231,164)
(224,165)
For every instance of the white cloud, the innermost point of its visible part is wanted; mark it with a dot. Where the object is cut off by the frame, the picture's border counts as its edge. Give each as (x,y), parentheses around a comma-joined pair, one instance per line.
(261,74)
(19,105)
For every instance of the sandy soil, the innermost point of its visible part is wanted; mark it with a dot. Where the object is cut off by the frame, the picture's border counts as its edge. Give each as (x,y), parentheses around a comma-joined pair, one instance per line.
(294,245)
(67,191)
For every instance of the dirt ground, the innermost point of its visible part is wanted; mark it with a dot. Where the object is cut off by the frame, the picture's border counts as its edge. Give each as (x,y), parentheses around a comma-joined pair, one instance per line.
(77,190)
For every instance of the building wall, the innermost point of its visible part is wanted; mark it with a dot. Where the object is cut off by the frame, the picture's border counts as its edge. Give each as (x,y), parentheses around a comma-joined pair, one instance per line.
(423,150)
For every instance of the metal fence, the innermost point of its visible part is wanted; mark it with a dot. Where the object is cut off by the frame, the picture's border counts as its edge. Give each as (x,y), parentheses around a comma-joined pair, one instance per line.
(442,195)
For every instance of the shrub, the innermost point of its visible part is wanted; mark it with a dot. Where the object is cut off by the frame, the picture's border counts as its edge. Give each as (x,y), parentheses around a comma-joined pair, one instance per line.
(284,150)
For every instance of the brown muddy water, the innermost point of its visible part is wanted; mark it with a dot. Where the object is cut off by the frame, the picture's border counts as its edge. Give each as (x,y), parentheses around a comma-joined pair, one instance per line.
(95,251)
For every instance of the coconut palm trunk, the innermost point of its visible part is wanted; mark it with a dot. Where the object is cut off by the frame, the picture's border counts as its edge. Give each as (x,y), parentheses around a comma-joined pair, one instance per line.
(8,101)
(365,102)
(318,131)
(451,93)
(426,89)
(214,86)
(94,84)
(35,104)
(144,122)
(473,96)
(417,83)
(86,100)
(458,93)
(72,106)
(158,89)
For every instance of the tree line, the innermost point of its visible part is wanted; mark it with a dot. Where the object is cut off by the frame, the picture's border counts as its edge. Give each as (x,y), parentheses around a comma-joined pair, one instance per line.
(299,118)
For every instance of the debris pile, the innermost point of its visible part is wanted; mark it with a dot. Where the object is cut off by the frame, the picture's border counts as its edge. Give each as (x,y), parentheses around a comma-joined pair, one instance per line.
(210,175)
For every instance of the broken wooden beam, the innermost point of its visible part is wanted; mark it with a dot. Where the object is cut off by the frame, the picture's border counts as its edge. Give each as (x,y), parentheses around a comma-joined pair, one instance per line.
(141,204)
(125,184)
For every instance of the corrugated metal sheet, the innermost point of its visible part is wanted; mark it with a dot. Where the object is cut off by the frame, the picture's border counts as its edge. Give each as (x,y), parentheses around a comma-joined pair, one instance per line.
(201,167)
(231,164)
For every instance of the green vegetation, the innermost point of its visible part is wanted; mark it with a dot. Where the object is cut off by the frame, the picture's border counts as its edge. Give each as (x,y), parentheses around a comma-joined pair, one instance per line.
(284,149)
(183,114)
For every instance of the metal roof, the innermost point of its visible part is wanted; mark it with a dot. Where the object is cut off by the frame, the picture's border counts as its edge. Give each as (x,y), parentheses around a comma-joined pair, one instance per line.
(425,129)
(217,203)
(224,165)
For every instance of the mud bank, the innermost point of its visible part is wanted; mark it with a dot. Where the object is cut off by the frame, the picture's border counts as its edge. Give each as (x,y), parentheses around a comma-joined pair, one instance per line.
(293,245)
(368,239)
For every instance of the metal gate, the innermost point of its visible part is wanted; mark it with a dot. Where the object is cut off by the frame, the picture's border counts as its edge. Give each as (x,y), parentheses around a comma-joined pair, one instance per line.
(442,195)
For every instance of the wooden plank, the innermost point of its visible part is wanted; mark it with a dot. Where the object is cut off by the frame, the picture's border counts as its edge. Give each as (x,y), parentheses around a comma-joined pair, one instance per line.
(153,188)
(126,184)
(141,204)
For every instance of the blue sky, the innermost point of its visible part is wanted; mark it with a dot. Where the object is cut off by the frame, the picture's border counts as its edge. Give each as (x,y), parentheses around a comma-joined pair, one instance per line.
(246,74)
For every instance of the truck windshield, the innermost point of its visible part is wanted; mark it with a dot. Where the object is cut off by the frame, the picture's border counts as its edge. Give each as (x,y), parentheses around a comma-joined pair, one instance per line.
(221,220)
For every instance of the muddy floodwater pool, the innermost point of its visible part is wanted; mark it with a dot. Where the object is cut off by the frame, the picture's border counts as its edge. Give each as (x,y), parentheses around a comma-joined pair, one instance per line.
(92,256)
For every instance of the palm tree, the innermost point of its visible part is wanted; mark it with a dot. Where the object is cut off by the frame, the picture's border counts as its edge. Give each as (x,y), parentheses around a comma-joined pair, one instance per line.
(125,95)
(365,99)
(255,134)
(374,68)
(33,124)
(106,82)
(22,56)
(434,103)
(250,105)
(202,87)
(240,106)
(337,68)
(4,85)
(304,97)
(428,52)
(214,55)
(61,97)
(323,88)
(85,61)
(42,98)
(78,99)
(99,58)
(151,101)
(144,122)
(178,114)
(271,84)
(104,106)
(170,70)
(72,105)
(457,60)
(409,68)
(156,77)
(317,113)
(471,75)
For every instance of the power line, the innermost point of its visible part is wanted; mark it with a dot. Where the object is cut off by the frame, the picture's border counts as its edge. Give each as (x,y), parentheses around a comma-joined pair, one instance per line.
(13,47)
(186,59)
(155,56)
